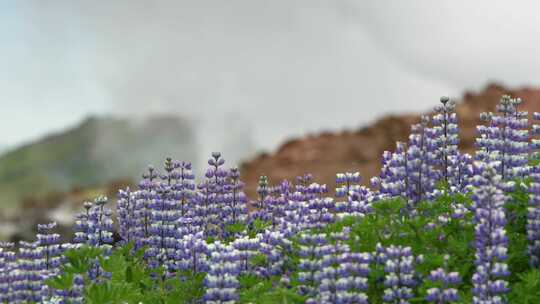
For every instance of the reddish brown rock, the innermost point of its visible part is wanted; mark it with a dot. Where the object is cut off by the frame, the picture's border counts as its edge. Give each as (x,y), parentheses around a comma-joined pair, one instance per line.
(327,153)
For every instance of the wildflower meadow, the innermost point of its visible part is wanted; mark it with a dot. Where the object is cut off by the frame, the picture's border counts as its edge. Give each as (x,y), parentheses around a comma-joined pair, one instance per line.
(435,226)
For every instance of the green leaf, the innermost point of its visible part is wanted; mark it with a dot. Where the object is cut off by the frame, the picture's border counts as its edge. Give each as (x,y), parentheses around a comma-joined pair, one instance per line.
(62,282)
(259,260)
(527,289)
(129,274)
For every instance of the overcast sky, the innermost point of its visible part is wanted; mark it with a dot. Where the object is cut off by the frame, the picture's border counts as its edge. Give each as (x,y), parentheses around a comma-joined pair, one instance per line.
(278,68)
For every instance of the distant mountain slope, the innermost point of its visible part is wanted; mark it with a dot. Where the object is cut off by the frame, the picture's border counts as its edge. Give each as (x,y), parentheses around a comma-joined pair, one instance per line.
(95,152)
(328,153)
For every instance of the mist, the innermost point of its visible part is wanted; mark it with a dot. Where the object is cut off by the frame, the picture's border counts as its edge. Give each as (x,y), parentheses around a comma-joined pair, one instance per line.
(260,70)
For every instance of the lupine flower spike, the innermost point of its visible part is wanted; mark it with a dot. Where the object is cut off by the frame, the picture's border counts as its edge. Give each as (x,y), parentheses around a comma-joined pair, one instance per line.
(491,242)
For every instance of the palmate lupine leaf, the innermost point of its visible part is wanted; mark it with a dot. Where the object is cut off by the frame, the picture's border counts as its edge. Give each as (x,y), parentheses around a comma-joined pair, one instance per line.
(527,289)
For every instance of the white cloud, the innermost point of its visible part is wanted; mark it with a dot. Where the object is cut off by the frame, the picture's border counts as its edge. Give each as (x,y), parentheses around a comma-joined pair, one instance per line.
(465,43)
(286,67)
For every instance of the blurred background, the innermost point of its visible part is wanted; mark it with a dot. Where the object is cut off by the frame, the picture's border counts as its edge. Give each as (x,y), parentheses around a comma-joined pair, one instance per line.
(92,92)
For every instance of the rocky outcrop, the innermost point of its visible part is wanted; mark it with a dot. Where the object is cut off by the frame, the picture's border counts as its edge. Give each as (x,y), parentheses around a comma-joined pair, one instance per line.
(327,153)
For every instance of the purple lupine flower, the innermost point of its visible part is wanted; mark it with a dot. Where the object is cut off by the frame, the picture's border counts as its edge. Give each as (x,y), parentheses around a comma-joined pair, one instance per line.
(421,159)
(486,142)
(222,278)
(303,182)
(211,204)
(302,188)
(393,180)
(161,211)
(316,210)
(126,209)
(504,141)
(342,277)
(8,264)
(26,280)
(301,205)
(311,253)
(164,217)
(178,185)
(99,233)
(352,284)
(201,211)
(50,255)
(461,172)
(144,196)
(459,211)
(187,225)
(447,138)
(285,208)
(514,138)
(290,225)
(276,203)
(535,131)
(445,292)
(94,226)
(356,195)
(218,176)
(266,204)
(320,213)
(316,190)
(347,182)
(491,242)
(192,253)
(293,206)
(50,250)
(399,280)
(275,246)
(163,232)
(533,212)
(262,191)
(361,201)
(245,248)
(326,278)
(235,198)
(284,191)
(297,210)
(100,224)
(81,225)
(446,131)
(520,148)
(307,207)
(185,187)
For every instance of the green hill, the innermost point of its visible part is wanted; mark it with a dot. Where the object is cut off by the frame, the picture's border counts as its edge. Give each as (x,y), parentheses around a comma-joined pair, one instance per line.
(93,153)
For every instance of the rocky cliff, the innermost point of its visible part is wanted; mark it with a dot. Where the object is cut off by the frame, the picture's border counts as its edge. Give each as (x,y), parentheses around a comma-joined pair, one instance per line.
(326,154)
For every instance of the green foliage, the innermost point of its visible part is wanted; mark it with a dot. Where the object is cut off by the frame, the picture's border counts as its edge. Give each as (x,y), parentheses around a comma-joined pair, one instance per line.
(258,260)
(62,282)
(79,262)
(527,289)
(262,291)
(516,210)
(258,226)
(131,281)
(279,295)
(188,287)
(235,228)
(432,232)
